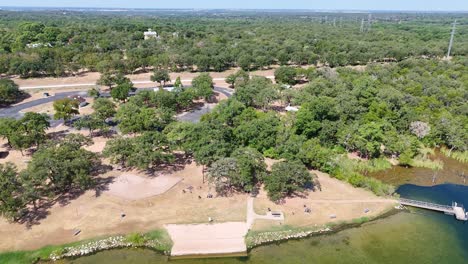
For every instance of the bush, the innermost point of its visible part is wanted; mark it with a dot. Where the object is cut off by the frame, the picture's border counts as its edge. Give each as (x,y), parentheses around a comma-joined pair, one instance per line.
(136,239)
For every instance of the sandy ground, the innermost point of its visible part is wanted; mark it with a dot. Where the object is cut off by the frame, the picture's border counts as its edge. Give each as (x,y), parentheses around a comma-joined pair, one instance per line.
(134,187)
(99,214)
(336,198)
(90,78)
(220,238)
(13,156)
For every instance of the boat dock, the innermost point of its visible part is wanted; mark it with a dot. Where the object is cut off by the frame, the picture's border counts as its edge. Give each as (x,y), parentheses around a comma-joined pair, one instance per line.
(457,210)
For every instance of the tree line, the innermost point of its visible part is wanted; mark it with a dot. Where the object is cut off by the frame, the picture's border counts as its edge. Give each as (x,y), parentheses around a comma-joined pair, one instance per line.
(70,43)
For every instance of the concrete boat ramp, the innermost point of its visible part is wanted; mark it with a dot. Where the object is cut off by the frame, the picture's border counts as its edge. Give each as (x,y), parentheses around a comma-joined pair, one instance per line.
(215,239)
(208,239)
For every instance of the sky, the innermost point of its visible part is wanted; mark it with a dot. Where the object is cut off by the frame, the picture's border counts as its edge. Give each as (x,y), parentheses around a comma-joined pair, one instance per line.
(413,5)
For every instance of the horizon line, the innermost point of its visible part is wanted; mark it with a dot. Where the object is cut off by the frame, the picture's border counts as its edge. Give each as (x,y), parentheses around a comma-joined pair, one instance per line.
(238,9)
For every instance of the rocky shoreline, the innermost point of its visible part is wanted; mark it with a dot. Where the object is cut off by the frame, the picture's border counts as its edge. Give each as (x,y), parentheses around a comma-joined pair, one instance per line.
(252,241)
(89,248)
(277,236)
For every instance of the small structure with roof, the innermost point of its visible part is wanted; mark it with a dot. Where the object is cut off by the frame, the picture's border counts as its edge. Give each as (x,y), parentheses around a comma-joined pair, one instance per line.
(151,34)
(290,108)
(80,99)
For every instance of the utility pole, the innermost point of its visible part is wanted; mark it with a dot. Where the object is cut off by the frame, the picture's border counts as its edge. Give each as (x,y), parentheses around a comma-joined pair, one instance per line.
(451,39)
(369,22)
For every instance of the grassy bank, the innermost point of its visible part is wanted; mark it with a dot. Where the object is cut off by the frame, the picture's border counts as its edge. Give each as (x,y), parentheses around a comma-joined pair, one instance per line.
(461,156)
(423,160)
(157,240)
(283,233)
(355,171)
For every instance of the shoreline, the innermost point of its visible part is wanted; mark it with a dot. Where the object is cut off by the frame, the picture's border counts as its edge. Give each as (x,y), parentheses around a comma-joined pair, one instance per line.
(88,247)
(298,233)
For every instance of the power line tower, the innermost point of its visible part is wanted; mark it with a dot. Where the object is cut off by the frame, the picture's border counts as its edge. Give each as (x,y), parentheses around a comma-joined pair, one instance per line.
(334,22)
(451,39)
(362,25)
(369,22)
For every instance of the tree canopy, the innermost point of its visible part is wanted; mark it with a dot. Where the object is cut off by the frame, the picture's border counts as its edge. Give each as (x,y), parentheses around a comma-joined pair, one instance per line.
(9,92)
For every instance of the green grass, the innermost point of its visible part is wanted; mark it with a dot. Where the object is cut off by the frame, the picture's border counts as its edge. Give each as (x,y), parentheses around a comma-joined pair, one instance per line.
(27,257)
(352,171)
(163,237)
(423,162)
(361,220)
(461,156)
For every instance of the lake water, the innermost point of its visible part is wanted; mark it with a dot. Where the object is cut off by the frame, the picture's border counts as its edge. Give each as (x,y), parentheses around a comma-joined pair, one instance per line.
(418,236)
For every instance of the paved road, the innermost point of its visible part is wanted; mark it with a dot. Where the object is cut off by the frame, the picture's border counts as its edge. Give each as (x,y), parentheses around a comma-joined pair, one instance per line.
(195,115)
(15,111)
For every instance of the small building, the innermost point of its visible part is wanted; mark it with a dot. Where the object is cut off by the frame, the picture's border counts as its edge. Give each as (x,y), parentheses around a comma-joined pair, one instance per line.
(169,89)
(38,45)
(290,108)
(151,34)
(80,99)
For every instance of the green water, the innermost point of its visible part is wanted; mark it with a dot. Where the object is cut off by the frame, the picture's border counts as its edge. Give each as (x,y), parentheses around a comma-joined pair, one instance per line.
(418,236)
(400,238)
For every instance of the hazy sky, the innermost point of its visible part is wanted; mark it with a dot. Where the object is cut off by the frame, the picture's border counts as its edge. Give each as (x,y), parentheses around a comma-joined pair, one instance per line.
(427,5)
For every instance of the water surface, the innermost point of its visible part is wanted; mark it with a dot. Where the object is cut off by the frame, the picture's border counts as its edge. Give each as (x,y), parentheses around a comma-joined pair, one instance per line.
(416,236)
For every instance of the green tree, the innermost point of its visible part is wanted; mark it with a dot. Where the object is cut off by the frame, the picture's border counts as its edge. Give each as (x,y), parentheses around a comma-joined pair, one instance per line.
(150,150)
(259,133)
(118,150)
(251,167)
(104,108)
(121,91)
(91,122)
(160,76)
(144,152)
(33,126)
(312,115)
(317,157)
(238,77)
(178,83)
(66,108)
(8,127)
(287,178)
(203,85)
(94,92)
(245,62)
(286,75)
(9,92)
(64,165)
(12,204)
(133,118)
(106,79)
(224,174)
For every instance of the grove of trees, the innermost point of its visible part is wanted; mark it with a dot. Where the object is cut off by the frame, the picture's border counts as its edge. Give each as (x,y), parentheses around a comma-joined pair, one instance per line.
(57,168)
(111,42)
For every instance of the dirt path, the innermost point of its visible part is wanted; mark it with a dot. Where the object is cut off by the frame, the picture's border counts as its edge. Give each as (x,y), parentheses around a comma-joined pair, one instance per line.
(56,83)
